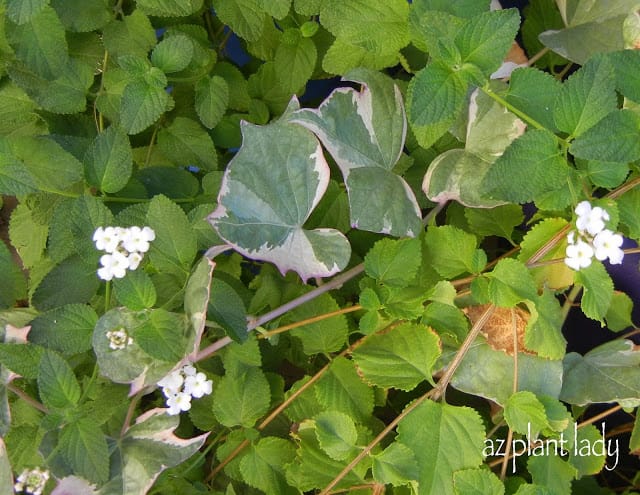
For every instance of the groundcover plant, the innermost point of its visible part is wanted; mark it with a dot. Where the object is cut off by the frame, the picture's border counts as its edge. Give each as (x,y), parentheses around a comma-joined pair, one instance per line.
(216,281)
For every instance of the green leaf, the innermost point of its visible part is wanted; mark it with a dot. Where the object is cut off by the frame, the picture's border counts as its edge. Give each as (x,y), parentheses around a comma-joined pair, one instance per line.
(364,132)
(135,291)
(295,60)
(511,282)
(163,335)
(486,38)
(72,281)
(173,54)
(534,93)
(618,315)
(185,142)
(597,292)
(446,319)
(40,44)
(525,414)
(394,262)
(132,35)
(244,17)
(66,329)
(175,245)
(108,162)
(227,308)
(241,399)
(14,285)
(169,8)
(551,472)
(267,193)
(451,251)
(634,442)
(196,297)
(544,328)
(263,466)
(6,475)
(337,434)
(585,98)
(531,166)
(143,101)
(434,97)
(455,436)
(27,236)
(587,457)
(612,139)
(401,358)
(342,390)
(396,465)
(15,179)
(23,359)
(239,98)
(22,11)
(17,110)
(211,100)
(82,15)
(627,66)
(84,446)
(629,205)
(608,373)
(499,221)
(325,336)
(540,16)
(57,384)
(477,482)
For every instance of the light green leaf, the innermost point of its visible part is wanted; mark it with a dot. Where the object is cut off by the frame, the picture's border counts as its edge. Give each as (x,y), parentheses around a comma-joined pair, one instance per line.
(608,373)
(23,359)
(612,139)
(394,262)
(143,101)
(477,482)
(22,11)
(17,110)
(163,335)
(266,196)
(451,251)
(84,446)
(396,465)
(364,132)
(242,357)
(511,282)
(629,205)
(40,43)
(185,142)
(455,436)
(148,448)
(589,453)
(534,93)
(132,35)
(295,60)
(83,15)
(525,414)
(108,161)
(341,389)
(618,315)
(402,358)
(337,434)
(6,475)
(14,284)
(532,165)
(307,7)
(597,292)
(196,297)
(239,98)
(228,310)
(544,329)
(434,31)
(244,17)
(83,215)
(499,221)
(343,57)
(211,100)
(241,399)
(173,54)
(57,385)
(15,179)
(263,466)
(169,8)
(446,319)
(27,236)
(552,472)
(66,329)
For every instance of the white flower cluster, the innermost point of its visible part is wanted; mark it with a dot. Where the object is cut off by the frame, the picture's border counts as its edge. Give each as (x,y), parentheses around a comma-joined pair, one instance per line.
(119,339)
(31,481)
(124,247)
(181,385)
(592,239)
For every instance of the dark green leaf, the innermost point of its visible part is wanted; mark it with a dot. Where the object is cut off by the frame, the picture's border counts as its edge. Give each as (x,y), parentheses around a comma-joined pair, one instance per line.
(108,161)
(534,93)
(23,359)
(172,54)
(162,335)
(511,282)
(143,101)
(66,329)
(135,291)
(169,8)
(394,262)
(84,446)
(185,142)
(14,285)
(451,251)
(598,291)
(57,383)
(241,399)
(227,309)
(211,100)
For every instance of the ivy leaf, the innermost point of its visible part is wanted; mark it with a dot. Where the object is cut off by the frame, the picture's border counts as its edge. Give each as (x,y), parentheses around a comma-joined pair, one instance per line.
(396,465)
(452,251)
(456,437)
(66,329)
(510,282)
(109,161)
(394,262)
(84,446)
(241,399)
(57,384)
(337,434)
(598,291)
(364,132)
(185,142)
(402,358)
(143,101)
(266,196)
(608,373)
(173,54)
(148,448)
(525,414)
(244,17)
(211,100)
(169,8)
(263,466)
(585,98)
(477,482)
(531,166)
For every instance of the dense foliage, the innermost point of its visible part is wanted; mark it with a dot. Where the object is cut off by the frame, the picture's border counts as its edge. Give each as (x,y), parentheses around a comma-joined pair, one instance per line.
(219,278)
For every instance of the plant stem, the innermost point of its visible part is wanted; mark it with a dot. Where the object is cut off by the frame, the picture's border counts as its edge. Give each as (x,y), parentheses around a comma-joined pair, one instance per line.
(308,321)
(27,398)
(130,413)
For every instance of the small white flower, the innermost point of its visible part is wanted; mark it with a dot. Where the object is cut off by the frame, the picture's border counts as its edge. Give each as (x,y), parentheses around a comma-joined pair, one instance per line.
(578,255)
(171,383)
(571,237)
(31,481)
(197,385)
(607,245)
(107,239)
(113,265)
(134,260)
(137,239)
(119,339)
(178,402)
(590,219)
(189,370)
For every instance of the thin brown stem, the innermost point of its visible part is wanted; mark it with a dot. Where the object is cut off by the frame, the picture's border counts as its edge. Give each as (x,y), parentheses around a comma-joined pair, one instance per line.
(27,398)
(130,412)
(308,321)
